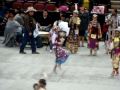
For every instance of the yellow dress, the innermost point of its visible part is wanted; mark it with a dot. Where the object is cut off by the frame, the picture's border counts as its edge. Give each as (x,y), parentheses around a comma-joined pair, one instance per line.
(75,20)
(115,62)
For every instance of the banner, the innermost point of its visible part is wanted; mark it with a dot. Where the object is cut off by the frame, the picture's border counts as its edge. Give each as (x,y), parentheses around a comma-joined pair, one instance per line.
(98,9)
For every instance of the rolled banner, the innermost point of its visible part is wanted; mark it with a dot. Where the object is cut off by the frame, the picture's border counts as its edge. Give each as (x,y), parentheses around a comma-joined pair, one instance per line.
(76,6)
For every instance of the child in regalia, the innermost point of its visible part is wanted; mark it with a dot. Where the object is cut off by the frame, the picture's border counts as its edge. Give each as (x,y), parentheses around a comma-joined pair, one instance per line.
(73,39)
(60,53)
(116,53)
(94,33)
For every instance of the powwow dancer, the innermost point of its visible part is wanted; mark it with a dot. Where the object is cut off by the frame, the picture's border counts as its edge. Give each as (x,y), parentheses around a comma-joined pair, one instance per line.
(116,52)
(94,33)
(60,53)
(73,39)
(75,23)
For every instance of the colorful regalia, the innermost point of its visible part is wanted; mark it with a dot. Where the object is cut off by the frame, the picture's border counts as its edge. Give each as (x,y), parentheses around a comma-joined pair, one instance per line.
(61,54)
(116,52)
(94,35)
(73,40)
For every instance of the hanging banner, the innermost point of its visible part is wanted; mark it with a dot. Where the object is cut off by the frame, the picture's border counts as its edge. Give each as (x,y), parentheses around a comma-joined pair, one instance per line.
(98,9)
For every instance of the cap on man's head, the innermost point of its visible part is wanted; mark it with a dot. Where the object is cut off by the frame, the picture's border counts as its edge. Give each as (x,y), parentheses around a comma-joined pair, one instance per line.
(30,9)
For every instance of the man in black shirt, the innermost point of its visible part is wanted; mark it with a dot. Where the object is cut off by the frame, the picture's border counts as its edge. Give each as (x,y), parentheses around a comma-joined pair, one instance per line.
(45,21)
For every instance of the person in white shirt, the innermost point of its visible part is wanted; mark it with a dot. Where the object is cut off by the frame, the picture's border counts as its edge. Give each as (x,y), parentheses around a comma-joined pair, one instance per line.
(113,21)
(63,26)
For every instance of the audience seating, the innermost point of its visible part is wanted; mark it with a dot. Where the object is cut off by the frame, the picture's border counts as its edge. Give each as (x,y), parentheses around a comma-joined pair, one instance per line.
(27,4)
(39,6)
(20,1)
(31,1)
(16,5)
(50,7)
(72,8)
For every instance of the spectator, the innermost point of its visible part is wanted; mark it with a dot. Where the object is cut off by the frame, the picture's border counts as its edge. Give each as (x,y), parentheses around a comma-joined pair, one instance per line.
(63,25)
(113,20)
(18,17)
(11,28)
(84,16)
(4,21)
(29,24)
(45,21)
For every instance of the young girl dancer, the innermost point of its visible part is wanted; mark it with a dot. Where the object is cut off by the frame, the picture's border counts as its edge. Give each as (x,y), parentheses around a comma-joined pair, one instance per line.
(73,39)
(94,31)
(116,53)
(60,53)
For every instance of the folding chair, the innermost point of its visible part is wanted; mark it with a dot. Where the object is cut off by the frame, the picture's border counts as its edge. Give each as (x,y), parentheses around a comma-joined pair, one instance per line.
(39,6)
(51,7)
(27,4)
(16,5)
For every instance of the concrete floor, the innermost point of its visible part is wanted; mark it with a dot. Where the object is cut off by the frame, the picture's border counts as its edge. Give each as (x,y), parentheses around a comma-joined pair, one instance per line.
(80,72)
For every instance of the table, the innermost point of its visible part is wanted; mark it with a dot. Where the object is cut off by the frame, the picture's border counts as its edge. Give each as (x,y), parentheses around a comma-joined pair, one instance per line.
(45,37)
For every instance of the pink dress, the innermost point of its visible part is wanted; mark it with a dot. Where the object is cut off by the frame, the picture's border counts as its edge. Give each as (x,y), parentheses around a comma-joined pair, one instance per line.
(61,54)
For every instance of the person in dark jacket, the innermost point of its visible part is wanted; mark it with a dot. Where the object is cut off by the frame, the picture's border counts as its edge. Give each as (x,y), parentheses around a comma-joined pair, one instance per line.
(18,17)
(84,16)
(3,23)
(11,28)
(45,21)
(29,27)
